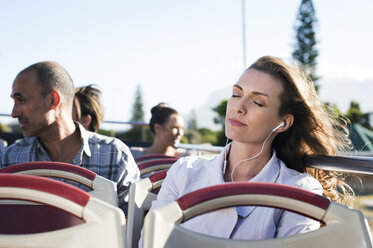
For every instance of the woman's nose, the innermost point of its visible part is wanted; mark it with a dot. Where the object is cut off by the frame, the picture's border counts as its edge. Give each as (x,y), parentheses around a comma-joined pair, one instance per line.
(241,106)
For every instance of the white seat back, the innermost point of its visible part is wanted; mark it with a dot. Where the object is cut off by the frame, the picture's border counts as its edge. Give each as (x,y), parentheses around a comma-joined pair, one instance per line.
(86,221)
(344,227)
(140,200)
(102,188)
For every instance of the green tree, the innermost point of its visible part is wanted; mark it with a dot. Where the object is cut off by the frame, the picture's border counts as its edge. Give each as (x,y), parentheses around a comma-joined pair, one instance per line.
(137,107)
(191,134)
(137,132)
(332,109)
(192,121)
(356,116)
(208,136)
(4,128)
(305,51)
(106,132)
(195,135)
(220,119)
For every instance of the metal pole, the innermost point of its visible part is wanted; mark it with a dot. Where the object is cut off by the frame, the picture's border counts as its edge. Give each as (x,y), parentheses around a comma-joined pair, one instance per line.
(243,34)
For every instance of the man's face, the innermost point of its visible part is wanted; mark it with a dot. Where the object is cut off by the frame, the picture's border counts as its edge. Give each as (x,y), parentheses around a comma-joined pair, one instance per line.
(30,107)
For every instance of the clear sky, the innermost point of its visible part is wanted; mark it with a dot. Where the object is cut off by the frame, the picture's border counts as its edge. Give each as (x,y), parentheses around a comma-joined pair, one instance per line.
(181,51)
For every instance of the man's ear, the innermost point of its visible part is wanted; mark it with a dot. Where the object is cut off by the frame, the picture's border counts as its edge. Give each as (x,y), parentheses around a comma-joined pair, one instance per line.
(86,121)
(55,99)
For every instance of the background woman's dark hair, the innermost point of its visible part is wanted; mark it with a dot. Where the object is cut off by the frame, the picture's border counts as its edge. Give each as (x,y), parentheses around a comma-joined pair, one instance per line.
(88,102)
(160,114)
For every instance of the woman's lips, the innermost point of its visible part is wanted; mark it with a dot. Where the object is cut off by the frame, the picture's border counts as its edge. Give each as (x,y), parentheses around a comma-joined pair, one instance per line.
(235,122)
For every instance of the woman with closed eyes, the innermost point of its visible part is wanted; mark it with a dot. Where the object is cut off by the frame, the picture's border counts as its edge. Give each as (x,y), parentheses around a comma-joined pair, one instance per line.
(274,119)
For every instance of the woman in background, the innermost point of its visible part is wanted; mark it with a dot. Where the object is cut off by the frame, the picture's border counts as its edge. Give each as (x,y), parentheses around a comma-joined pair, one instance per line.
(167,127)
(88,109)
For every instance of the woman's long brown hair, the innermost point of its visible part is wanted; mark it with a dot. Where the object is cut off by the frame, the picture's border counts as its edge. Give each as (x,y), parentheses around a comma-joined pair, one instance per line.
(315,131)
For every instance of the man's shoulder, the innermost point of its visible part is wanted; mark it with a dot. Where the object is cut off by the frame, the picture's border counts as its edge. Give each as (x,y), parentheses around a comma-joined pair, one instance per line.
(20,144)
(17,152)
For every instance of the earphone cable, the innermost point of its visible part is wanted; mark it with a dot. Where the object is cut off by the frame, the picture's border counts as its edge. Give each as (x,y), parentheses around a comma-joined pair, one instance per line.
(248,159)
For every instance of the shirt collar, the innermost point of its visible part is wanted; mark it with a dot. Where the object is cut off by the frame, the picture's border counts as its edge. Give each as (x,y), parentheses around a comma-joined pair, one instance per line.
(85,136)
(269,173)
(39,146)
(41,152)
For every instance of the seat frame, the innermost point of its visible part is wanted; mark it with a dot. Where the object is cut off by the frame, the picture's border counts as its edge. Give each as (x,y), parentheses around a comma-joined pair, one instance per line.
(102,225)
(141,195)
(102,188)
(344,227)
(152,166)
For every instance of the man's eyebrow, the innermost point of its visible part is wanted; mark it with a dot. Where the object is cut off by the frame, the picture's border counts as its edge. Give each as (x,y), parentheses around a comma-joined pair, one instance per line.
(17,94)
(254,92)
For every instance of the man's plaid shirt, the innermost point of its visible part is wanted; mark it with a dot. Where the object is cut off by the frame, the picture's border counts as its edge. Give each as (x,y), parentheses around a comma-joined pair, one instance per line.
(106,156)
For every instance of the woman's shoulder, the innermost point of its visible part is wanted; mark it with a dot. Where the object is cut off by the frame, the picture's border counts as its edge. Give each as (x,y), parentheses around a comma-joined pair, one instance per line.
(298,179)
(192,173)
(192,161)
(194,164)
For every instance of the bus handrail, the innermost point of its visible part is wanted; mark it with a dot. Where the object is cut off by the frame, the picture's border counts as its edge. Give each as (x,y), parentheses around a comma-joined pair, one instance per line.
(347,164)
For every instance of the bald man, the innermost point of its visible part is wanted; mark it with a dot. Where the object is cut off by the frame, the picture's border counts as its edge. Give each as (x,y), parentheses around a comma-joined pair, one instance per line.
(43,96)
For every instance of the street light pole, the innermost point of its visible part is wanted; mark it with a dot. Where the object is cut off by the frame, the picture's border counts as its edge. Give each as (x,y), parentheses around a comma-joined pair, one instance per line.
(243,34)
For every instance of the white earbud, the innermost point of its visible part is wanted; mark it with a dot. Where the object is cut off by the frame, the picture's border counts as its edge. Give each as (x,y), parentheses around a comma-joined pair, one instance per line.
(282,124)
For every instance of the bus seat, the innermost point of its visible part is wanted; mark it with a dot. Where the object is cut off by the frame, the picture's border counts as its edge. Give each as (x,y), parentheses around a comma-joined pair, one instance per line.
(101,187)
(148,157)
(141,195)
(344,227)
(55,214)
(151,166)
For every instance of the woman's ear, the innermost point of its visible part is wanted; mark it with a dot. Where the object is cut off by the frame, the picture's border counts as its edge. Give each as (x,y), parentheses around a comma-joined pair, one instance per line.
(289,119)
(285,124)
(86,121)
(157,128)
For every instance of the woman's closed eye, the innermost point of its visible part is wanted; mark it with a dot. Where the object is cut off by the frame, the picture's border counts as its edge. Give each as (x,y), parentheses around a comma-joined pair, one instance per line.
(259,103)
(236,93)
